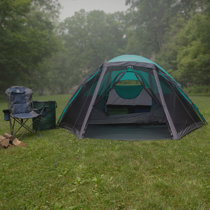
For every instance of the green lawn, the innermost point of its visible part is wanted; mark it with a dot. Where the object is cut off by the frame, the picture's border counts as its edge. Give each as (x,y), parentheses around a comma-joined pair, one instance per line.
(58,171)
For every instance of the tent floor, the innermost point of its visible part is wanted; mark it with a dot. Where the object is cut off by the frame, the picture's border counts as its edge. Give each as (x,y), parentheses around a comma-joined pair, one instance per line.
(128,132)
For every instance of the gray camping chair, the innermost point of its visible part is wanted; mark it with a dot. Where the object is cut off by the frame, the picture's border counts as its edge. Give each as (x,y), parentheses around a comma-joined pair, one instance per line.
(20,110)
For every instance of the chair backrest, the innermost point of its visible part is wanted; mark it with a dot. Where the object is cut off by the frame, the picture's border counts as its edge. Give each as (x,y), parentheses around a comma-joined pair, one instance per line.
(19,99)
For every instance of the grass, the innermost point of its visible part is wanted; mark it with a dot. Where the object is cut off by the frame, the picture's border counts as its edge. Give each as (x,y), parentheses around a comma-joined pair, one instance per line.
(58,171)
(202,90)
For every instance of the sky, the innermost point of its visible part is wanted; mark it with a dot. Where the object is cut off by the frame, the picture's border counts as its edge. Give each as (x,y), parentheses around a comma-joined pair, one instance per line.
(109,6)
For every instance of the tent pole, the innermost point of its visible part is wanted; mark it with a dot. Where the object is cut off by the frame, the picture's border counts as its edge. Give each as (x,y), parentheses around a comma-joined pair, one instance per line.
(92,102)
(165,108)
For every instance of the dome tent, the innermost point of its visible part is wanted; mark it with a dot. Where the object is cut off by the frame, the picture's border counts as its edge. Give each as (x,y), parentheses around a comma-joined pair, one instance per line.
(130,97)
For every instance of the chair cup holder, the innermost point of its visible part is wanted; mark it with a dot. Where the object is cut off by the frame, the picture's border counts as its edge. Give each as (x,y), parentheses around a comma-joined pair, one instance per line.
(6,114)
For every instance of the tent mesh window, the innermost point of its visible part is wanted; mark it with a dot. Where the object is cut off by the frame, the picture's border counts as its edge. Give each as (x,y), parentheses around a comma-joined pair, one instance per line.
(182,113)
(77,110)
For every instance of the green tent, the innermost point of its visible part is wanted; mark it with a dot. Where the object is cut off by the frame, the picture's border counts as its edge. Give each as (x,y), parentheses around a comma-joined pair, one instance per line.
(130,97)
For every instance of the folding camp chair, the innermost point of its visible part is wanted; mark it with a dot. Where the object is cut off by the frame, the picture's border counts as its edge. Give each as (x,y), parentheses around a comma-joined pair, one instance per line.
(21,113)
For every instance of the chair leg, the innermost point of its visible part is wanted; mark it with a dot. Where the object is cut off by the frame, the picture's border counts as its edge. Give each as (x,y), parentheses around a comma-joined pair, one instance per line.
(38,131)
(36,125)
(23,124)
(12,126)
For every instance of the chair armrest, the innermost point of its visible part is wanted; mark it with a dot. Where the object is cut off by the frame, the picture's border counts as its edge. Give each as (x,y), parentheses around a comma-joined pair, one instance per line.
(41,110)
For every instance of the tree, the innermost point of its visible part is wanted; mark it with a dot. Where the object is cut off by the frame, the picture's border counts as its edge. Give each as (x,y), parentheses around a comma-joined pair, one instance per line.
(185,52)
(26,38)
(89,38)
(150,20)
(194,54)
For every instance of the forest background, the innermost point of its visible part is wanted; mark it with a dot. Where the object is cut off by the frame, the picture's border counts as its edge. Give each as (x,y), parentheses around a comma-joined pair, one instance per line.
(52,57)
